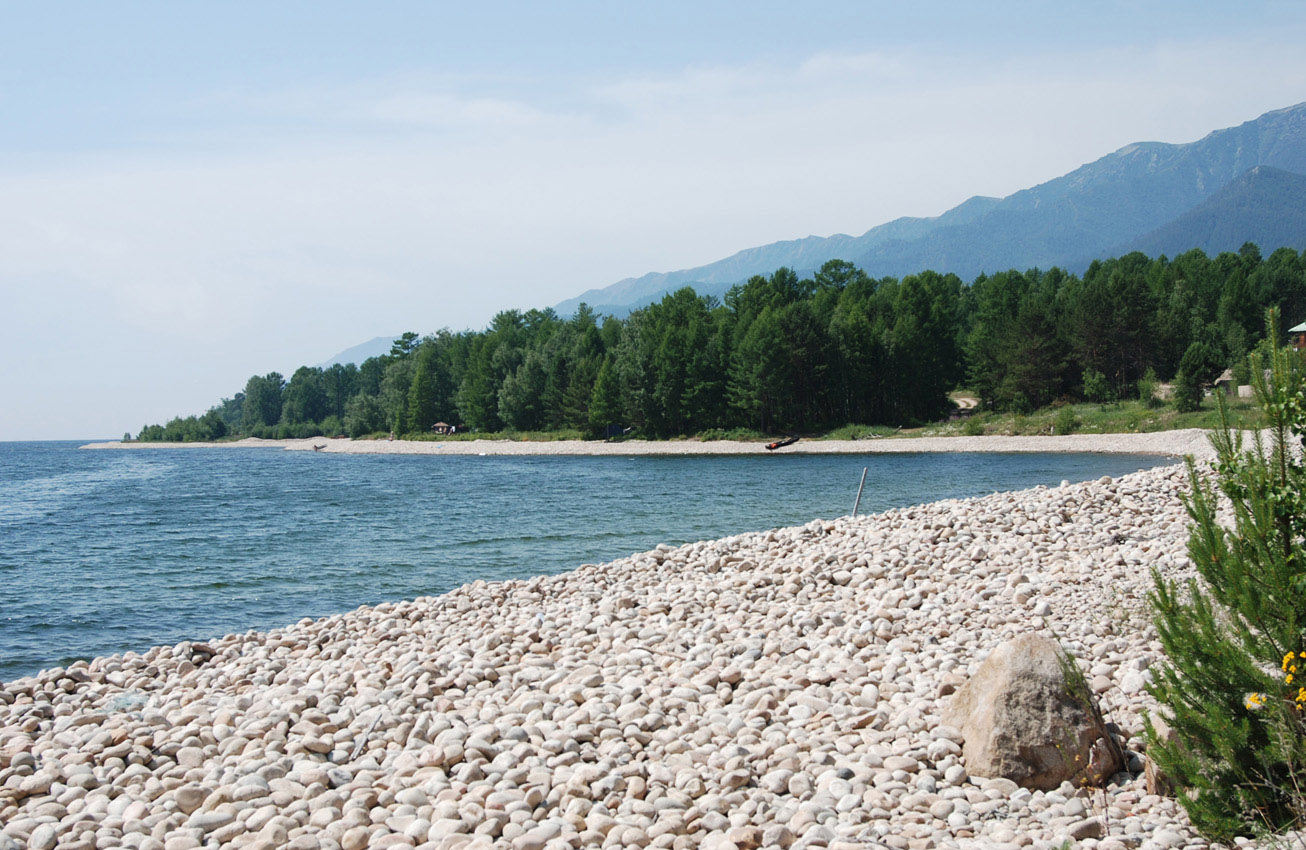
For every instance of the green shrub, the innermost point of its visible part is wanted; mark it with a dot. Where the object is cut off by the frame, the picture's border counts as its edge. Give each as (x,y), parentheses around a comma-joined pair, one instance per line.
(859,432)
(1148,389)
(1230,684)
(1187,392)
(1065,422)
(972,427)
(736,434)
(1242,371)
(1098,388)
(1196,369)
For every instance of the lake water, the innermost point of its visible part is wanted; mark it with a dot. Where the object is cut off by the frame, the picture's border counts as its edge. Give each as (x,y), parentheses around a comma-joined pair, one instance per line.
(106,551)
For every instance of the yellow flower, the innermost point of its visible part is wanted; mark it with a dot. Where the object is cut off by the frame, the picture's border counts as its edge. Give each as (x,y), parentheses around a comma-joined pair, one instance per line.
(1289,679)
(1255,701)
(1301,696)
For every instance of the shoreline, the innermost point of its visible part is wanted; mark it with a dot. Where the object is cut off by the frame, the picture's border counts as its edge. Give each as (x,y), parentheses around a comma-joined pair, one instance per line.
(778,687)
(1168,443)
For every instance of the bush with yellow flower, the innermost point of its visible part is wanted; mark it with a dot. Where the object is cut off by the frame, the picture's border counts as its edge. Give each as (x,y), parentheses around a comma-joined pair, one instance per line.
(1234,640)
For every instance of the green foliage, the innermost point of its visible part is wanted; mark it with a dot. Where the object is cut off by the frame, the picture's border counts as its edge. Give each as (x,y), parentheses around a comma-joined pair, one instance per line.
(859,432)
(262,404)
(1109,319)
(1188,392)
(430,395)
(1198,366)
(1014,347)
(1149,389)
(1122,417)
(339,384)
(363,416)
(405,345)
(737,435)
(521,398)
(785,354)
(1065,422)
(1233,642)
(605,400)
(1021,405)
(395,386)
(510,434)
(304,399)
(1097,388)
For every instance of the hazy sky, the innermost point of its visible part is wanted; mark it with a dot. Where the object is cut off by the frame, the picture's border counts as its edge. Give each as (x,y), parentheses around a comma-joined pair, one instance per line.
(192,193)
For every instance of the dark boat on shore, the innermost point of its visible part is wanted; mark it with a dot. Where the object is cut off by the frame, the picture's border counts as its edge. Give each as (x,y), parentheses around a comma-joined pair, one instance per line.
(780,444)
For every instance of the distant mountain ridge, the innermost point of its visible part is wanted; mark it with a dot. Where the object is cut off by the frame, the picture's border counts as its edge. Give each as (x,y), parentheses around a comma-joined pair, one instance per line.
(374,347)
(1266,206)
(1124,198)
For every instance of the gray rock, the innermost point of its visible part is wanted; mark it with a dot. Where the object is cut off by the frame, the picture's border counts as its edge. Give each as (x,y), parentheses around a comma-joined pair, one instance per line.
(190,797)
(1021,720)
(1089,828)
(43,837)
(209,821)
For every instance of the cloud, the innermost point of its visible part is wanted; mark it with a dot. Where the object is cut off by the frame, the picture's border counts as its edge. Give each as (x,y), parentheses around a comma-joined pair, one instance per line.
(413,102)
(299,222)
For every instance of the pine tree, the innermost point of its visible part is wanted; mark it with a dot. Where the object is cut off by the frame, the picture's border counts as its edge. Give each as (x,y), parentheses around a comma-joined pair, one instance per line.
(1198,366)
(605,401)
(1234,641)
(428,395)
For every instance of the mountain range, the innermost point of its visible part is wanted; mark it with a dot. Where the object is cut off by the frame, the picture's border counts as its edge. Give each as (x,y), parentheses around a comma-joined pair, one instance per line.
(1234,185)
(374,347)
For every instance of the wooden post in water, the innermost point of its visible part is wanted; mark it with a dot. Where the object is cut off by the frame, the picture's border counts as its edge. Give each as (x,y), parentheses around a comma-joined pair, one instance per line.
(859,490)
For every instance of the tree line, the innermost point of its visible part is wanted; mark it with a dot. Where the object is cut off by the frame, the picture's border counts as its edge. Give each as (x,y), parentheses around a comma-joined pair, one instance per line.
(783,354)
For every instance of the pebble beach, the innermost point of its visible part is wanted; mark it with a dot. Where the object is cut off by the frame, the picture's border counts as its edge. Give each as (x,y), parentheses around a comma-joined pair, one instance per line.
(770,690)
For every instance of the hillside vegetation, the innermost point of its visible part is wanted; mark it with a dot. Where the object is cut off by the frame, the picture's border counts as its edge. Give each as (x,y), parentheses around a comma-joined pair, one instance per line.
(784,354)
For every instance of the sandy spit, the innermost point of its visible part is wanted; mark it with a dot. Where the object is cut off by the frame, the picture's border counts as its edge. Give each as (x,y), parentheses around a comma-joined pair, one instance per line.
(1171,443)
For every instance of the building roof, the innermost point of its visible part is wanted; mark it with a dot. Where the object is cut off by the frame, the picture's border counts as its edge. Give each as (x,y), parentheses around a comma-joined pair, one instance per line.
(1300,329)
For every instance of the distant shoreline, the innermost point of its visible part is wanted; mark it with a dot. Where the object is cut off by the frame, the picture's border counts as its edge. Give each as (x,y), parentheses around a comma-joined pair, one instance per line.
(1171,443)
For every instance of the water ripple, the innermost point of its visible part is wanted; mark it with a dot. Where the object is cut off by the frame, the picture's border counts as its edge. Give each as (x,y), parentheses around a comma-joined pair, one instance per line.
(106,551)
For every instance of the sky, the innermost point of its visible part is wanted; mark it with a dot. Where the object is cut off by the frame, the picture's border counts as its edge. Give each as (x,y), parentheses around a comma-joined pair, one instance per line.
(194,193)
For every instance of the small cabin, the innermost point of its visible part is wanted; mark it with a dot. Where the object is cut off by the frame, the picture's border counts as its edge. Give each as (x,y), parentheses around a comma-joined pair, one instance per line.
(443,428)
(1225,384)
(1297,336)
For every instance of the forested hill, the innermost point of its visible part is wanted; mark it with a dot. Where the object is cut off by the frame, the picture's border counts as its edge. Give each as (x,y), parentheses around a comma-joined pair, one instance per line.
(785,353)
(1266,206)
(1090,212)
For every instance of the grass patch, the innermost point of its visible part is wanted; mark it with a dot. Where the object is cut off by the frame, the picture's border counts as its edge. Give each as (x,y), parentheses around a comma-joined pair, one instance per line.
(514,436)
(743,435)
(1125,417)
(860,432)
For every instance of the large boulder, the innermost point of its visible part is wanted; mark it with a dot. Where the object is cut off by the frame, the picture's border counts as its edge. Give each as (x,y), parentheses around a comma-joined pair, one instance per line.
(1022,719)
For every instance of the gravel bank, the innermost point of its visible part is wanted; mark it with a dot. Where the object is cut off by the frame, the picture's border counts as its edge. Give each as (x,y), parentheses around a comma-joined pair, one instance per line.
(1189,441)
(778,689)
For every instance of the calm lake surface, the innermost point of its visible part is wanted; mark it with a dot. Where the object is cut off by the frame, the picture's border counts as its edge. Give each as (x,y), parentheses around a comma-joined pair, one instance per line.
(106,551)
